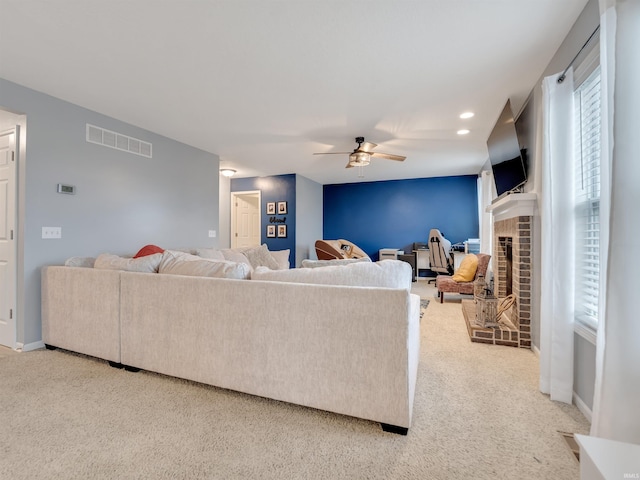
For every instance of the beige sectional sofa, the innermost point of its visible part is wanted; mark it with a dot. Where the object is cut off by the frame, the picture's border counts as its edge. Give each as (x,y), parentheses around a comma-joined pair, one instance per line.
(318,341)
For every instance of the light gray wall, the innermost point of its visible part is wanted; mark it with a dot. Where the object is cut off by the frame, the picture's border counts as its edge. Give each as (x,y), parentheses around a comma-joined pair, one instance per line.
(308,218)
(123,201)
(584,369)
(224,234)
(584,359)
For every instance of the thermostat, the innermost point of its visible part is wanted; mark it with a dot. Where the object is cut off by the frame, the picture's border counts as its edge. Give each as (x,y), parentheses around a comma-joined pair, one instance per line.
(69,189)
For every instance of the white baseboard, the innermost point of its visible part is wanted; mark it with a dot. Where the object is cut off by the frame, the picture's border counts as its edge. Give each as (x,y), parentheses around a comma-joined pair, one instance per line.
(586,411)
(31,346)
(535,350)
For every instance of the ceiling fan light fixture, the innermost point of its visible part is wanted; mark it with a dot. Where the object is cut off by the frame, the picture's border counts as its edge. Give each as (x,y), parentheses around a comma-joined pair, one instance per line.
(227,172)
(359,159)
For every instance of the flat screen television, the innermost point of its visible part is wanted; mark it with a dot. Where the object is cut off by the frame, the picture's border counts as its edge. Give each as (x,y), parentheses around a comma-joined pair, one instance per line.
(508,161)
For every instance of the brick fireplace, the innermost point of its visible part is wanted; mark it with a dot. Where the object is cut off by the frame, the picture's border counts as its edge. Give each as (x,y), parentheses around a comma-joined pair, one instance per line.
(512,270)
(512,218)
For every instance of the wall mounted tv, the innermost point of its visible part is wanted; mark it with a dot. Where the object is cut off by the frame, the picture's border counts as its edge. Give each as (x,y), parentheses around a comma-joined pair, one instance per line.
(508,161)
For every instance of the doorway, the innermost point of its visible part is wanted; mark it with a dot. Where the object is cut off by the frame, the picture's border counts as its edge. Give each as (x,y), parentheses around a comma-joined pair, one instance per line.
(8,236)
(245,219)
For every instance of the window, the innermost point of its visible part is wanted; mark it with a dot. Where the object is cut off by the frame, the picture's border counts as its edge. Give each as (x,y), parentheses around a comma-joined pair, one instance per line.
(587,188)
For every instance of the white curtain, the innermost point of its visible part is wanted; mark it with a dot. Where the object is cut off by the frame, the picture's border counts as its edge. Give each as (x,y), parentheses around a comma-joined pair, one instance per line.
(486,189)
(616,411)
(557,200)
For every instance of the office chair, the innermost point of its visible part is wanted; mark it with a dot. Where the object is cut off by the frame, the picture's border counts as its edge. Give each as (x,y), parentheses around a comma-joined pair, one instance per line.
(440,260)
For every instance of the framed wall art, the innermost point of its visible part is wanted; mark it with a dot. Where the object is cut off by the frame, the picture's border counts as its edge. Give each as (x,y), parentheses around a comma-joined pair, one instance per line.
(271,231)
(282,231)
(282,208)
(271,208)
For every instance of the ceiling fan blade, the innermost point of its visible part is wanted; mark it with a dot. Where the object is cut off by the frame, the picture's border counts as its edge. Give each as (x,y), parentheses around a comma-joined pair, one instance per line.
(367,147)
(349,165)
(333,153)
(388,156)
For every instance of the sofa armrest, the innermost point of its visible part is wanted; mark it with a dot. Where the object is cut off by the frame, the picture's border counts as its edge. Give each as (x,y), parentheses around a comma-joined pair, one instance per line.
(81,310)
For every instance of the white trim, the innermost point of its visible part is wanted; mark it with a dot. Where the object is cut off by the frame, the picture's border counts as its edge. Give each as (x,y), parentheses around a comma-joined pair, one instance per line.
(233,230)
(32,346)
(535,350)
(585,332)
(514,205)
(586,411)
(11,311)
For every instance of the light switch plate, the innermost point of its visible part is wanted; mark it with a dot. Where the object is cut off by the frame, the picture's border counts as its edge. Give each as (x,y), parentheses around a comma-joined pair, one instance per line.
(51,232)
(212,234)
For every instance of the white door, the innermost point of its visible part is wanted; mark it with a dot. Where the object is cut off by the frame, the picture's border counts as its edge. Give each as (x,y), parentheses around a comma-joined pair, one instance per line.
(7,238)
(245,220)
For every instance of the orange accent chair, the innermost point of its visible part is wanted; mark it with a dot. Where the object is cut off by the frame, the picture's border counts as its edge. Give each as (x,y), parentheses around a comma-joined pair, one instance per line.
(446,283)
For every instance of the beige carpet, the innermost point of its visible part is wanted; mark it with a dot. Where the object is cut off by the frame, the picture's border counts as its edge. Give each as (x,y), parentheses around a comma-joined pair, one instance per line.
(478,414)
(6,351)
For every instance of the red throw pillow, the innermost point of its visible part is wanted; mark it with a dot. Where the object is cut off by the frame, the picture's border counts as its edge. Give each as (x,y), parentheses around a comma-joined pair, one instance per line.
(148,250)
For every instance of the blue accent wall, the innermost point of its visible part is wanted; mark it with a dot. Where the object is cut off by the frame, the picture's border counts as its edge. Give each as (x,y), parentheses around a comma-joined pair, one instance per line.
(397,213)
(279,188)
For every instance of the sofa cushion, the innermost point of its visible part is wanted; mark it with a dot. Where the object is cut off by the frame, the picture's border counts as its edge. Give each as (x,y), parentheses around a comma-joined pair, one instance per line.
(212,253)
(327,263)
(178,263)
(282,258)
(234,255)
(446,283)
(148,250)
(148,264)
(261,257)
(386,273)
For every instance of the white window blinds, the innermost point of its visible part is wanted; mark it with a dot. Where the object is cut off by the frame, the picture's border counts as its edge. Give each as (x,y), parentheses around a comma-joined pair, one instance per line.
(587,188)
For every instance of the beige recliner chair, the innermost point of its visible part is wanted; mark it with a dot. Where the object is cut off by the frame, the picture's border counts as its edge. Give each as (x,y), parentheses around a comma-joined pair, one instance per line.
(338,249)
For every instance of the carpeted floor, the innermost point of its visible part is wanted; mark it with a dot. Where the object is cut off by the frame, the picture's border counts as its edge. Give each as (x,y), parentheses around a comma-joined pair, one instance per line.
(477,414)
(6,351)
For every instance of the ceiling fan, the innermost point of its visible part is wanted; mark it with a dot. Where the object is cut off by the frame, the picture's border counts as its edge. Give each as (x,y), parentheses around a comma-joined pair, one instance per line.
(362,154)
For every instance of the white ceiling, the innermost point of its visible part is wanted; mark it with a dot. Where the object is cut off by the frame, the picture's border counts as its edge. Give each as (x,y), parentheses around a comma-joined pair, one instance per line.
(264,84)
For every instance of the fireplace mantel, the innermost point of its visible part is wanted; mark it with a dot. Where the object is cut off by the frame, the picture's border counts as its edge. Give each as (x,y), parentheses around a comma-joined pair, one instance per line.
(514,205)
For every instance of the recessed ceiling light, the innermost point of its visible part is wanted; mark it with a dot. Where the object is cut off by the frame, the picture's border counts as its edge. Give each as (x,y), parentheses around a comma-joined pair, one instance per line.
(467,115)
(464,131)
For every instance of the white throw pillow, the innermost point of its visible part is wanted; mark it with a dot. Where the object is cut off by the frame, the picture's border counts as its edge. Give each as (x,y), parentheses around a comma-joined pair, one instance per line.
(148,264)
(177,263)
(261,257)
(329,263)
(235,256)
(386,274)
(282,258)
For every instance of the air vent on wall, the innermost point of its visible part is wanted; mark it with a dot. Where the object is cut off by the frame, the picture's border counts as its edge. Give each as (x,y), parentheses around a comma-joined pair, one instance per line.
(105,137)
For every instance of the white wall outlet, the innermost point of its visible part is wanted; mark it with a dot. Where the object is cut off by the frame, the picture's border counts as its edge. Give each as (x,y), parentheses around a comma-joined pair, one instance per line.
(51,232)
(212,234)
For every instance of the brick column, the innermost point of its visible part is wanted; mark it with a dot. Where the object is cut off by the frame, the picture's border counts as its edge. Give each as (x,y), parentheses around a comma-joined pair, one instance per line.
(518,229)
